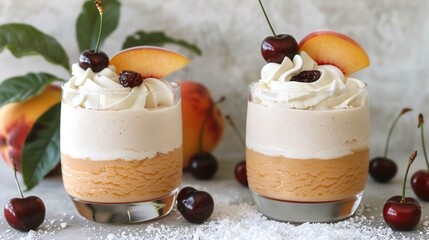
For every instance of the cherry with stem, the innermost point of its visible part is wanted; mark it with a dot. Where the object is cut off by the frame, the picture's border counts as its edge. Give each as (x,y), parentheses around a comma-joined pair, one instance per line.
(420,179)
(240,171)
(382,169)
(95,59)
(400,212)
(275,48)
(24,213)
(204,165)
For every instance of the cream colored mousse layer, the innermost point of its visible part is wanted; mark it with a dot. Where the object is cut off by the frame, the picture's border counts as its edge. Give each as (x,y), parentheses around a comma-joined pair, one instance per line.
(310,180)
(121,181)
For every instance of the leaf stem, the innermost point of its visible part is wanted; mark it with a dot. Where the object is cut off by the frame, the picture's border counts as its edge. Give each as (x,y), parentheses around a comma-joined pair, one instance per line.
(266,17)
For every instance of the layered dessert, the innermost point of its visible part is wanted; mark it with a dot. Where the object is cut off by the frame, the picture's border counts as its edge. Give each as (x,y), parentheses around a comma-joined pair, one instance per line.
(307,136)
(121,132)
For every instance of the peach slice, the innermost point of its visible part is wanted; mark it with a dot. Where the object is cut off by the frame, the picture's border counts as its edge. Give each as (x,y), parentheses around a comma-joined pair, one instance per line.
(153,62)
(329,47)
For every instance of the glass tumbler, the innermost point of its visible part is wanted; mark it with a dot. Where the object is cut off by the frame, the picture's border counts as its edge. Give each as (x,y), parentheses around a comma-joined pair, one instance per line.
(307,165)
(119,164)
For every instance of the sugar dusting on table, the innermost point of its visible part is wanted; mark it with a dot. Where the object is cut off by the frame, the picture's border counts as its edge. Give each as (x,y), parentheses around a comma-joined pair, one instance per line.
(232,219)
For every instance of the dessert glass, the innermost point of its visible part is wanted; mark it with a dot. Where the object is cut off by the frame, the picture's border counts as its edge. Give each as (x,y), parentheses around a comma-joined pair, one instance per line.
(306,165)
(123,165)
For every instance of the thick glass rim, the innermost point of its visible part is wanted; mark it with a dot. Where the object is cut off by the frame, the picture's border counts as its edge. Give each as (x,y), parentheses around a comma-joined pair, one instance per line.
(175,87)
(254,87)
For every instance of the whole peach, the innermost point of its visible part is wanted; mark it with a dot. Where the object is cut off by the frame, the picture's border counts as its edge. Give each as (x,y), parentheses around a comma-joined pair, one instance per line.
(196,102)
(17,119)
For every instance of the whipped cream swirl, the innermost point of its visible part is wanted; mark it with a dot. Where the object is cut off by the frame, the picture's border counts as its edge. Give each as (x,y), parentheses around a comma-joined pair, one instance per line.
(332,90)
(102,90)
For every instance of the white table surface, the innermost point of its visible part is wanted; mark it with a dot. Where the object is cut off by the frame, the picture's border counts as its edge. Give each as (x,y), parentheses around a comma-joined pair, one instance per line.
(63,222)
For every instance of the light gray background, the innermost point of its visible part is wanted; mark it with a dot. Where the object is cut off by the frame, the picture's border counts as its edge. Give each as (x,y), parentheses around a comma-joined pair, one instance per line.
(395,34)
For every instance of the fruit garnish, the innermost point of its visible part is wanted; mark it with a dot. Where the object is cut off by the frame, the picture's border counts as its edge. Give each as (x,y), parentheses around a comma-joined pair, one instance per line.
(152,62)
(383,169)
(95,59)
(420,179)
(400,212)
(130,79)
(329,47)
(203,165)
(195,206)
(307,76)
(24,213)
(240,171)
(275,48)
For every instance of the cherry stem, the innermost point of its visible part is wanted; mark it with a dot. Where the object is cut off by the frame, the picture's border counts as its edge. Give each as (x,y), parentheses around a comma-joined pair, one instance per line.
(234,127)
(266,17)
(410,161)
(16,180)
(421,121)
(101,11)
(206,118)
(386,148)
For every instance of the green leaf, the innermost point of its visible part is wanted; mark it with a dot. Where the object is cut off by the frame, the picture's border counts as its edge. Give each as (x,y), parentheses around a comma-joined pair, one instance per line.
(21,88)
(88,23)
(41,152)
(24,40)
(157,39)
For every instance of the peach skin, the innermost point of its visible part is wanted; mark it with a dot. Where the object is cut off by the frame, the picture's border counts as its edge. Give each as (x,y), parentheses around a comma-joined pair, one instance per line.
(16,120)
(329,47)
(196,101)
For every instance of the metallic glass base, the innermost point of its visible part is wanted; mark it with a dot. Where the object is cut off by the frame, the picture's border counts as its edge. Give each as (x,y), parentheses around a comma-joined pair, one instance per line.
(120,213)
(299,212)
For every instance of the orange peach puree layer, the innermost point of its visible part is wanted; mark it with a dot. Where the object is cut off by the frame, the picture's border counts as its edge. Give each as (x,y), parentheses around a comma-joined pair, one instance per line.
(122,181)
(308,180)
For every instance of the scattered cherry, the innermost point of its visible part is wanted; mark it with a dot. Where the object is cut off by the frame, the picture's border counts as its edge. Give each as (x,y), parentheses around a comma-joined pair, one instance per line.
(195,206)
(130,79)
(420,179)
(94,59)
(275,48)
(307,76)
(400,212)
(203,165)
(241,173)
(24,214)
(383,169)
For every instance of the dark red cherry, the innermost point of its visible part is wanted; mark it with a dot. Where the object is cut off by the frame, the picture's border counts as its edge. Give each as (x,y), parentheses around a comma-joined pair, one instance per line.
(184,192)
(402,216)
(130,79)
(382,169)
(306,76)
(275,49)
(195,206)
(97,61)
(25,214)
(241,173)
(420,184)
(203,165)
